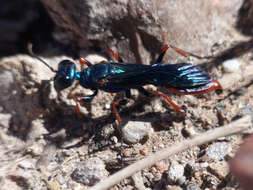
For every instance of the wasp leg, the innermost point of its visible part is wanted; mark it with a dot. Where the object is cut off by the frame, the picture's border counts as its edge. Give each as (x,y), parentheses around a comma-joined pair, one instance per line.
(160,58)
(114,107)
(118,103)
(84,99)
(83,61)
(187,54)
(176,107)
(115,55)
(211,86)
(157,93)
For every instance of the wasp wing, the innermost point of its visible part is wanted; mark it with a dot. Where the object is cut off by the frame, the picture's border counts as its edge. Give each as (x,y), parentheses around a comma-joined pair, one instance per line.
(177,75)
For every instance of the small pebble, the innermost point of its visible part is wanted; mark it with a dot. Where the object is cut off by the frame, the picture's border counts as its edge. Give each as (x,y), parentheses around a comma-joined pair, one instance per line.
(217,151)
(37,129)
(161,145)
(173,187)
(127,153)
(60,179)
(144,151)
(161,166)
(210,180)
(220,107)
(114,139)
(189,131)
(34,150)
(175,171)
(231,65)
(157,176)
(197,175)
(107,106)
(89,172)
(247,110)
(181,180)
(193,186)
(25,164)
(153,170)
(150,176)
(204,164)
(5,120)
(231,137)
(134,132)
(138,181)
(220,169)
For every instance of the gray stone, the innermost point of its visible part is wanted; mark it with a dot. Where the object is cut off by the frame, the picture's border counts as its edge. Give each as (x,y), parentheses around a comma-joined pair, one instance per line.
(5,120)
(134,132)
(217,151)
(138,181)
(231,65)
(181,180)
(193,186)
(220,169)
(25,164)
(175,172)
(132,26)
(89,172)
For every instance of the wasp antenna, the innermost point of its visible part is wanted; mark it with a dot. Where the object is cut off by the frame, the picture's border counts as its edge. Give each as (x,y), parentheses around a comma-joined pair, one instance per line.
(29,47)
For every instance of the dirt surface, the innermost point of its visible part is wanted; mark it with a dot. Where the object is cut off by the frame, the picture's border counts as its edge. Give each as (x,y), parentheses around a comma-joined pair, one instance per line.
(46,145)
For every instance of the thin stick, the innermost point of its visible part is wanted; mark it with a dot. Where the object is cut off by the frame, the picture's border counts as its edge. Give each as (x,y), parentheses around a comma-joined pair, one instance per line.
(235,127)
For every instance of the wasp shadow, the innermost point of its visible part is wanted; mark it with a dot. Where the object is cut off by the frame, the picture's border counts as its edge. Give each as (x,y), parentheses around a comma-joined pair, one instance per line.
(244,25)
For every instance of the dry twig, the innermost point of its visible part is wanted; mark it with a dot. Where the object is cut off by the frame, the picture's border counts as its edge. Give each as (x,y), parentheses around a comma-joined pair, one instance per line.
(235,127)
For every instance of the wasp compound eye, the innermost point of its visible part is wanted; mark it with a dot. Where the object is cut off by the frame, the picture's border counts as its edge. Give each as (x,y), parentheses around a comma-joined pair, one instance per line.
(66,74)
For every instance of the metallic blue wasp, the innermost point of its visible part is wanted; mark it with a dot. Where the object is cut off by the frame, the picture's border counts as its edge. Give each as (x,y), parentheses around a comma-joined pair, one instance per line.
(113,77)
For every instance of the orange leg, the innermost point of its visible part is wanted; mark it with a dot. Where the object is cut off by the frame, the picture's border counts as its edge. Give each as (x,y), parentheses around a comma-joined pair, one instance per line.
(78,111)
(160,58)
(164,49)
(114,104)
(77,100)
(84,99)
(83,61)
(179,51)
(115,55)
(214,85)
(186,54)
(176,107)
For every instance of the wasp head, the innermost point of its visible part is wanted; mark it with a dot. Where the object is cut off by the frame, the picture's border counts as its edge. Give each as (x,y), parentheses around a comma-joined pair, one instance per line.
(65,75)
